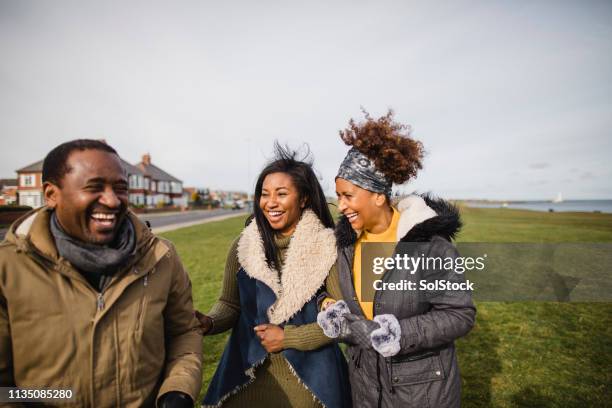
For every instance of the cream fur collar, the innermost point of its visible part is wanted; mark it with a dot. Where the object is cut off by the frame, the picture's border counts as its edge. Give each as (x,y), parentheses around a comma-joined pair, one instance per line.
(413,210)
(311,253)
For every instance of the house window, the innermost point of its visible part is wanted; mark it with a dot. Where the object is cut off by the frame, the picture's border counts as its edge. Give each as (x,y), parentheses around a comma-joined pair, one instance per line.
(27,180)
(176,187)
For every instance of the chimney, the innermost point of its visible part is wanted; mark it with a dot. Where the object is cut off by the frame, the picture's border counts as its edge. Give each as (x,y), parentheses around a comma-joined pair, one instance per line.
(146,159)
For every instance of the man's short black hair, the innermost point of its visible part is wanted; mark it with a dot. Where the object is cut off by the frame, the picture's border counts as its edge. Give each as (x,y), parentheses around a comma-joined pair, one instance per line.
(55,165)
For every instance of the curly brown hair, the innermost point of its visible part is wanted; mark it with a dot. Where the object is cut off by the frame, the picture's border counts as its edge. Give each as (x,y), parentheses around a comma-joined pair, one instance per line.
(388,144)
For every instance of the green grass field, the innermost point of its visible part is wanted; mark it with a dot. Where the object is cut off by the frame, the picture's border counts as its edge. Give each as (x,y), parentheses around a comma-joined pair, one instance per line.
(523,354)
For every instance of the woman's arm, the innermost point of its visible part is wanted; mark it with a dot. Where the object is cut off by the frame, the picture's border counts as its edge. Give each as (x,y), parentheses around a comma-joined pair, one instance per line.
(332,292)
(332,284)
(226,310)
(310,336)
(305,337)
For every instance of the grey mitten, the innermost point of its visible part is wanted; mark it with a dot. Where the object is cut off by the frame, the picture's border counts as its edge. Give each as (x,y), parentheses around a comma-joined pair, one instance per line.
(331,318)
(356,330)
(386,339)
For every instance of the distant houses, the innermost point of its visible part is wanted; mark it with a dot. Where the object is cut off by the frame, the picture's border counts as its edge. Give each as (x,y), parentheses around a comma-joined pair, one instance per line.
(206,198)
(160,187)
(149,186)
(8,191)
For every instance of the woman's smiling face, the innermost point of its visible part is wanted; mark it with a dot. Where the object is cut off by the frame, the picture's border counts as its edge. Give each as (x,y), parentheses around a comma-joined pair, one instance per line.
(280,203)
(358,205)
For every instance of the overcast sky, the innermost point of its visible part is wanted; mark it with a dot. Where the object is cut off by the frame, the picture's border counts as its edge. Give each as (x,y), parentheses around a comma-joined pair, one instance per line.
(512,100)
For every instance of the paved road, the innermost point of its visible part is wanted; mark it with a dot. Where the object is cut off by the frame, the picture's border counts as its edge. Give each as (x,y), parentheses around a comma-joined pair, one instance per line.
(166,220)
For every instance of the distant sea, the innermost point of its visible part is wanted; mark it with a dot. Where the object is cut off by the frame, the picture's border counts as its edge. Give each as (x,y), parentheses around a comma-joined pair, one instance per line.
(604,206)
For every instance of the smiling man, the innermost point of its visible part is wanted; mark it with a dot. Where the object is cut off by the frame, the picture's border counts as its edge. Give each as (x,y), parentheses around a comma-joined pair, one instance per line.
(90,300)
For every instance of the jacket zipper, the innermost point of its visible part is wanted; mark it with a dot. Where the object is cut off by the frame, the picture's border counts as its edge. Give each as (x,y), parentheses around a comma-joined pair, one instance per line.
(386,360)
(100,301)
(380,387)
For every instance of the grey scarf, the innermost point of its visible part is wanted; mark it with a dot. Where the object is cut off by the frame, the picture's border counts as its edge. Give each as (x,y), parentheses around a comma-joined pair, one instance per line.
(96,262)
(361,171)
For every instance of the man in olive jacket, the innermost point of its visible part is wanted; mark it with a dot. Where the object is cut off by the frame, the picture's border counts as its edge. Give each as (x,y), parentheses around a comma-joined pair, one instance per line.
(90,299)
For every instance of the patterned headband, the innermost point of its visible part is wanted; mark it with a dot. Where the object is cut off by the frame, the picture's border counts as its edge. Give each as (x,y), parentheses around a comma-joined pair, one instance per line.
(361,171)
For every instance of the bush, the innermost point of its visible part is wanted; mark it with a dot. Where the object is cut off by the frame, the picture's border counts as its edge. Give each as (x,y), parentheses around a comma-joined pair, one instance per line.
(14,208)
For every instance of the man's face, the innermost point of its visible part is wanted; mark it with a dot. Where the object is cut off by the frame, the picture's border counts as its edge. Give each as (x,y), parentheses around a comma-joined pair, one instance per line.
(92,199)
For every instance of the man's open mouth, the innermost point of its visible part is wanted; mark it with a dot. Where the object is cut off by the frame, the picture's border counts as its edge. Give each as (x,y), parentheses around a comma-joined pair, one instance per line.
(104,221)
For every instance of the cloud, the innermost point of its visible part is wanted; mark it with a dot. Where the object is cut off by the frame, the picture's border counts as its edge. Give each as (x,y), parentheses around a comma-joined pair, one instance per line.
(538,182)
(539,166)
(587,175)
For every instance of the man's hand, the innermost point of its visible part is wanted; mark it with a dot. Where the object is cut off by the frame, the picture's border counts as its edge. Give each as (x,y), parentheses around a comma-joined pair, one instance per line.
(271,337)
(206,322)
(175,399)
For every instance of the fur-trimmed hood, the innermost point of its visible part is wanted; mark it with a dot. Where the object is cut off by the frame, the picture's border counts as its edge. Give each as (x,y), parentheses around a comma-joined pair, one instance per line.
(421,217)
(310,255)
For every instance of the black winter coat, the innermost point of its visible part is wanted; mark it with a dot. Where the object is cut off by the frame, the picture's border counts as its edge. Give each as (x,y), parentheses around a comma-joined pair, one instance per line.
(425,372)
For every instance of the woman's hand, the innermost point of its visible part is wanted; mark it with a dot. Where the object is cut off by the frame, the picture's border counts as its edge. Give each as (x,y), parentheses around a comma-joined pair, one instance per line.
(327,302)
(206,322)
(331,317)
(271,337)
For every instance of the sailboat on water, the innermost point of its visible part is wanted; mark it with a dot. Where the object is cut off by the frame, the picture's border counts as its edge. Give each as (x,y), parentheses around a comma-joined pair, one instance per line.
(558,198)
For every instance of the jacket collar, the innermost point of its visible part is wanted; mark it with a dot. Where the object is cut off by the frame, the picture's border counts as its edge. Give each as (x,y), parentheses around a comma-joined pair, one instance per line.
(310,255)
(421,217)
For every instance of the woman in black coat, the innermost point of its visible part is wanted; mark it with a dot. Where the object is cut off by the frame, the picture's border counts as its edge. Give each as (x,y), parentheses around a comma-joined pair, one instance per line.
(400,341)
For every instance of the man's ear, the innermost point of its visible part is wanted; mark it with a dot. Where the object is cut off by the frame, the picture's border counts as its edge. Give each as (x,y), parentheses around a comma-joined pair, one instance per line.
(51,193)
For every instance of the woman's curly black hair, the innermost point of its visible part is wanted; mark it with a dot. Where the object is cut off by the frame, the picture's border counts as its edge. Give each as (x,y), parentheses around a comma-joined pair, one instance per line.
(388,144)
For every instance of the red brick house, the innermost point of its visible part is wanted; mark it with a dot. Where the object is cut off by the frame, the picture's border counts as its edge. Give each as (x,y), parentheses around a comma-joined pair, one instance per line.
(8,191)
(29,185)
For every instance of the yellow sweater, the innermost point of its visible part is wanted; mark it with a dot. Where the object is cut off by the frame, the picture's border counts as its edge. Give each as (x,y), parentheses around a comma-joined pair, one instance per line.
(389,235)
